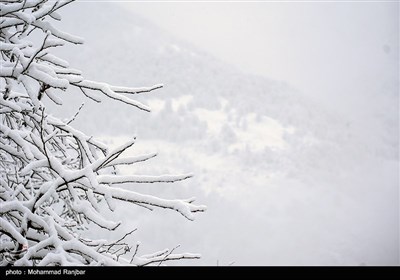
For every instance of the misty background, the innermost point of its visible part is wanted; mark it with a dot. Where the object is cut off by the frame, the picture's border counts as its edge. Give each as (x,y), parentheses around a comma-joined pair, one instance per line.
(287,114)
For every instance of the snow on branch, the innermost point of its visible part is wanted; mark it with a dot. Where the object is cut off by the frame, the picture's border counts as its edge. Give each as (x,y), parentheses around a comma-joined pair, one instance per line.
(135,90)
(130,160)
(109,92)
(113,179)
(55,179)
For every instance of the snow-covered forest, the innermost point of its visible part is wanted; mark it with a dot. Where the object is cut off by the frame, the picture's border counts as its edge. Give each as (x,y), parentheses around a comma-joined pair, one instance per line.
(287,178)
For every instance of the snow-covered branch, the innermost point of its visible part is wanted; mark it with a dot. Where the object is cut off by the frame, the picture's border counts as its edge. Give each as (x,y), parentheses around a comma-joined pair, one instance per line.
(54,177)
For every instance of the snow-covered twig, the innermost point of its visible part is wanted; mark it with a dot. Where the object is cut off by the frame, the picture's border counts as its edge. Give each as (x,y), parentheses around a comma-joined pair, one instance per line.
(53,177)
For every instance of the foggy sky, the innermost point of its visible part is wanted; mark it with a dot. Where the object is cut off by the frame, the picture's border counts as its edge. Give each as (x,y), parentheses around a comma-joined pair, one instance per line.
(335,52)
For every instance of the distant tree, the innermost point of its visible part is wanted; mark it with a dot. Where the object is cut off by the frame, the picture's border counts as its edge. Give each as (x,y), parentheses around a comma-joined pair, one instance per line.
(227,134)
(54,179)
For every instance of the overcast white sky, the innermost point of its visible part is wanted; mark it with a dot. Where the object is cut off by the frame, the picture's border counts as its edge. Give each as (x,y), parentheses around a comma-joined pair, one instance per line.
(331,50)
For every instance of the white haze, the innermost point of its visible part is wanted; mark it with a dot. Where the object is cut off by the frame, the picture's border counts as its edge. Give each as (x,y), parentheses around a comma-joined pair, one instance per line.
(339,52)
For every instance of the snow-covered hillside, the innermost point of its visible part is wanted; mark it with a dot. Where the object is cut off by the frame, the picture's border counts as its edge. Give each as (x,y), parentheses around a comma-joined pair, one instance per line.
(287,180)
